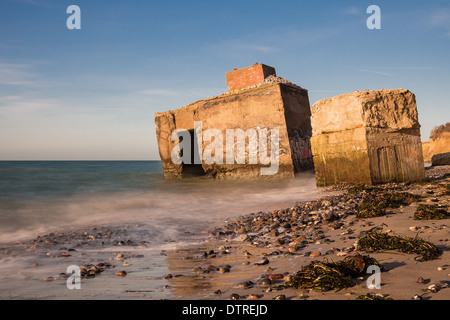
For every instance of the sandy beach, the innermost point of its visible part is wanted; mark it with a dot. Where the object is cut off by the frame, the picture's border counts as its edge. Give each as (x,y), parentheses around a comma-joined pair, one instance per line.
(234,261)
(399,280)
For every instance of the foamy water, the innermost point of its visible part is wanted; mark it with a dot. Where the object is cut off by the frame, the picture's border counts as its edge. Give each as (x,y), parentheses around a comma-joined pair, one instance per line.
(41,197)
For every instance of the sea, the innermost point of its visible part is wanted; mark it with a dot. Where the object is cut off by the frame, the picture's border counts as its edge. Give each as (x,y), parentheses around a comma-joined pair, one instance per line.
(38,197)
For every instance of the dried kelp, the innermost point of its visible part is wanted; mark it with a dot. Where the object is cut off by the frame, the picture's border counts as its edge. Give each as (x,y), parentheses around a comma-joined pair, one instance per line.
(372,296)
(380,241)
(430,212)
(324,275)
(376,205)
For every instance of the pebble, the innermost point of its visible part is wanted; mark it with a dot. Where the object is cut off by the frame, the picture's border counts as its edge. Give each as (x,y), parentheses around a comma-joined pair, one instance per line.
(224,269)
(280,297)
(65,254)
(422,280)
(441,268)
(49,279)
(254,297)
(315,254)
(120,256)
(292,249)
(235,296)
(211,268)
(266,282)
(244,285)
(275,276)
(121,273)
(262,262)
(433,288)
(199,270)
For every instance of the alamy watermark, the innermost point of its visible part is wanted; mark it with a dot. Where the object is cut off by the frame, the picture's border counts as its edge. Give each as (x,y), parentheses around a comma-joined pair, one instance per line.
(74,280)
(235,147)
(74,20)
(374,281)
(374,21)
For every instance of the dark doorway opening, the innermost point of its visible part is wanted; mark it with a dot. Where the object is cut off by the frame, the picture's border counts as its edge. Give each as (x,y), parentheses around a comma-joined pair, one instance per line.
(192,169)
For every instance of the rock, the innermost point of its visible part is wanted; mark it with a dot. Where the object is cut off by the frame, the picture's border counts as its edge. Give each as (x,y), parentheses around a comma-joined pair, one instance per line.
(441,159)
(266,282)
(315,254)
(224,269)
(433,288)
(280,297)
(235,296)
(49,279)
(65,254)
(254,297)
(422,280)
(262,262)
(417,297)
(199,270)
(120,256)
(211,268)
(441,268)
(275,276)
(121,273)
(244,285)
(168,276)
(292,249)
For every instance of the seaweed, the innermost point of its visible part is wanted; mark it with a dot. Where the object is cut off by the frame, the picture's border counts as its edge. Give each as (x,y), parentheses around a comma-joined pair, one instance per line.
(324,275)
(430,212)
(379,241)
(376,205)
(372,296)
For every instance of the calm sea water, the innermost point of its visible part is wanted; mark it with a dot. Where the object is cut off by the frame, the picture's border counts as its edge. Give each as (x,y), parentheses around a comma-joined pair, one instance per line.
(54,196)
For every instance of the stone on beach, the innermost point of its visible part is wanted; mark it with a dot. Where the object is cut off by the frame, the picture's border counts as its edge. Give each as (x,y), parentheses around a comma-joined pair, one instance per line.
(441,159)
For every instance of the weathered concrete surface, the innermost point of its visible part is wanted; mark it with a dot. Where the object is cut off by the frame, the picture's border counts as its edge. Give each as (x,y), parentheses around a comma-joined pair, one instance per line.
(367,137)
(274,106)
(441,159)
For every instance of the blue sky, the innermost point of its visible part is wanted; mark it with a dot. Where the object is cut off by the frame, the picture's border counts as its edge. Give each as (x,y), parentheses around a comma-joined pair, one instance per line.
(90,94)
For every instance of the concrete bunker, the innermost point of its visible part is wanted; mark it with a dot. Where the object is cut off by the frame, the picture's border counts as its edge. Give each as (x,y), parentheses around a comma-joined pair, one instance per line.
(367,137)
(232,135)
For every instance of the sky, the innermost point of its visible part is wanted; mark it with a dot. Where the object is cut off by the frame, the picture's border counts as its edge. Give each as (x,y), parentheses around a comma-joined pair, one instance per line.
(91,93)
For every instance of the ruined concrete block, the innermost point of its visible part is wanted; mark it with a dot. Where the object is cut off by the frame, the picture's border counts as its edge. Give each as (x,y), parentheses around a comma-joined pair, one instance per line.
(247,77)
(367,137)
(266,109)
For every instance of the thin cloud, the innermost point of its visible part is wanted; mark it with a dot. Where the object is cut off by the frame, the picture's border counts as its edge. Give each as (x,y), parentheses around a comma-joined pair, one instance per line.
(441,20)
(352,11)
(381,73)
(15,74)
(200,92)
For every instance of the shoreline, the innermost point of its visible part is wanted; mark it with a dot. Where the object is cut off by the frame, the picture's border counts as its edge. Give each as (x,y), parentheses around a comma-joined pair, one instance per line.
(191,270)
